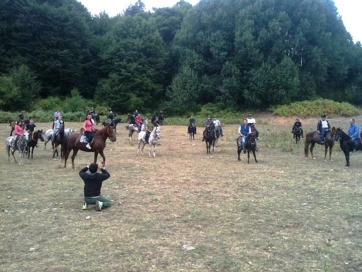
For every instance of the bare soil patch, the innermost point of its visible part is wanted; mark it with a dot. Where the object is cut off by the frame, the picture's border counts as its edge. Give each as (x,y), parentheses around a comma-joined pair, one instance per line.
(285,213)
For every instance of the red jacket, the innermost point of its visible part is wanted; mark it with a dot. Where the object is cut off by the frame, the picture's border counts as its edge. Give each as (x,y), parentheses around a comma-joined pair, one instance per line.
(138,120)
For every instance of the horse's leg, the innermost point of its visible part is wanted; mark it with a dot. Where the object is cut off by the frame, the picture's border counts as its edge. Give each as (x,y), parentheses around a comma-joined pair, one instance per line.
(66,154)
(239,151)
(95,157)
(75,151)
(103,157)
(311,149)
(55,147)
(330,152)
(255,156)
(248,154)
(306,146)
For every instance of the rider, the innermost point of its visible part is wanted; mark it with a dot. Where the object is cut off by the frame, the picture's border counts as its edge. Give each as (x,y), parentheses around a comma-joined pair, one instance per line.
(323,127)
(135,114)
(251,123)
(93,113)
(244,130)
(21,116)
(138,121)
(88,129)
(56,114)
(161,118)
(208,123)
(192,122)
(149,128)
(353,131)
(217,125)
(30,126)
(297,125)
(18,132)
(58,126)
(110,116)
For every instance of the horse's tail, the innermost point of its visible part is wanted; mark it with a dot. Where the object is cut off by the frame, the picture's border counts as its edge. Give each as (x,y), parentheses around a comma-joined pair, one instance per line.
(306,145)
(64,148)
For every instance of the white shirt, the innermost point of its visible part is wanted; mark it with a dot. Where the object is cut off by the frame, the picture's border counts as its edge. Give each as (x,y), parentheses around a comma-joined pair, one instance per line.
(324,124)
(216,123)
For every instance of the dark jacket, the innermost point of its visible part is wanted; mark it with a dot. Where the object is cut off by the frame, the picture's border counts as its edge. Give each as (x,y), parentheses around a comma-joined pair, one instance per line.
(297,125)
(93,182)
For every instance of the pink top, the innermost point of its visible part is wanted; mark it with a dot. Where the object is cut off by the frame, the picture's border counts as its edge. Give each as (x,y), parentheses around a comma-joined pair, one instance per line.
(18,130)
(88,125)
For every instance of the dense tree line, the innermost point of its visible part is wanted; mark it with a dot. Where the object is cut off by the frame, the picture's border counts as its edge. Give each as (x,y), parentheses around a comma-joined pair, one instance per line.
(234,53)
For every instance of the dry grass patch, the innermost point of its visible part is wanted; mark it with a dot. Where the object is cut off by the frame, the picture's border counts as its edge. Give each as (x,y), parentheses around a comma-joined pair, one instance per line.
(285,213)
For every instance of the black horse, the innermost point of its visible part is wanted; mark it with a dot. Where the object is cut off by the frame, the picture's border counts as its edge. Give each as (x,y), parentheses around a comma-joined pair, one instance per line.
(297,133)
(112,123)
(251,144)
(346,144)
(239,143)
(33,141)
(209,137)
(191,130)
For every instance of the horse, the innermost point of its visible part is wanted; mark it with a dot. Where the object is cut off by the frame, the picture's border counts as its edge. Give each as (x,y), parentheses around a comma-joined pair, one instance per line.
(251,144)
(297,132)
(33,141)
(152,141)
(49,135)
(313,137)
(217,134)
(209,137)
(345,144)
(132,128)
(113,123)
(59,140)
(76,142)
(191,130)
(20,146)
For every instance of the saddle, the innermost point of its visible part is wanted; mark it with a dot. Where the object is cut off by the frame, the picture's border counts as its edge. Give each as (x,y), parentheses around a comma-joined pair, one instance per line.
(84,139)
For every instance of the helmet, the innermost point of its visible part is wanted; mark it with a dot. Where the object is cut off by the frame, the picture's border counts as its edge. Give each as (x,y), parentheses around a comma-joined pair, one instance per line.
(323,115)
(209,116)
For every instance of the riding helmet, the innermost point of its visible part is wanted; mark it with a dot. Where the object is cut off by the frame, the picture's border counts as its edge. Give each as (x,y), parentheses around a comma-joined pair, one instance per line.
(323,115)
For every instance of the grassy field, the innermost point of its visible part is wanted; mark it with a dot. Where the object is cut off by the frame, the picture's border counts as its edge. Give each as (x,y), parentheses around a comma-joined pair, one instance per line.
(285,213)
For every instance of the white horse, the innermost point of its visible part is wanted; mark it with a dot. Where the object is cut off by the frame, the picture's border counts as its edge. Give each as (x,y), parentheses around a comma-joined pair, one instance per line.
(49,135)
(152,141)
(21,145)
(132,128)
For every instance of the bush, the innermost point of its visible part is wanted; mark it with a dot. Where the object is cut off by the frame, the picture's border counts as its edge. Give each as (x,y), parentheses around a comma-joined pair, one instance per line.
(316,108)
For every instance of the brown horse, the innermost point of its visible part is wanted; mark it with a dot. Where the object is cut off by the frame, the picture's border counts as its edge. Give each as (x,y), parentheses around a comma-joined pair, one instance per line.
(74,143)
(313,137)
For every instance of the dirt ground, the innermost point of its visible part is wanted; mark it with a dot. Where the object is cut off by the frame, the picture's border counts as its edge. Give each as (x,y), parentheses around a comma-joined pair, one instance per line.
(284,213)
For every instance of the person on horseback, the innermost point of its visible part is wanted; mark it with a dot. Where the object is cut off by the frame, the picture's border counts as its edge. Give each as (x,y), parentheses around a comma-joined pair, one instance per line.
(323,127)
(92,112)
(192,120)
(297,125)
(252,123)
(31,126)
(138,121)
(217,125)
(208,123)
(244,130)
(21,116)
(58,126)
(149,127)
(160,118)
(88,127)
(110,116)
(56,115)
(18,132)
(135,114)
(353,131)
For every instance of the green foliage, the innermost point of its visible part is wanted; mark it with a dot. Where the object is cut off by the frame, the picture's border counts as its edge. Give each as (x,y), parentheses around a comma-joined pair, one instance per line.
(316,108)
(9,94)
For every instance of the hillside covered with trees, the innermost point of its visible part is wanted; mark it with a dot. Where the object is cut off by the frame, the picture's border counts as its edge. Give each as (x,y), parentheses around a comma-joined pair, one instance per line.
(233,53)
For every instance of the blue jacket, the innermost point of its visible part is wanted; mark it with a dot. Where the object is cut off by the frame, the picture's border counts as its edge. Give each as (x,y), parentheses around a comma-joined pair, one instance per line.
(353,131)
(244,129)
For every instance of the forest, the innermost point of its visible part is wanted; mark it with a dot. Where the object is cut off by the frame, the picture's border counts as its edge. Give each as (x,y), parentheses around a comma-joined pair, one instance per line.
(230,53)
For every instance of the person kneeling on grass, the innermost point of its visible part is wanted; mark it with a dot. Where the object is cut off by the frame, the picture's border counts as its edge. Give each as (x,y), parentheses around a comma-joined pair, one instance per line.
(92,186)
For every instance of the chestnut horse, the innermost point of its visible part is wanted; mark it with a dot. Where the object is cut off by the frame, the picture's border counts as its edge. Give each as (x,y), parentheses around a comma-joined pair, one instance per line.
(313,137)
(74,143)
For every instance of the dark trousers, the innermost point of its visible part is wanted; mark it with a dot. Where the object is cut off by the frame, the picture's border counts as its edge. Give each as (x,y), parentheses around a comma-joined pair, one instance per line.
(89,136)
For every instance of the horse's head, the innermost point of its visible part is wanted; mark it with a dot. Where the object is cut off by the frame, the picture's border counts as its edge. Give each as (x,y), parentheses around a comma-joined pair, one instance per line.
(252,138)
(111,134)
(39,135)
(25,137)
(338,133)
(239,141)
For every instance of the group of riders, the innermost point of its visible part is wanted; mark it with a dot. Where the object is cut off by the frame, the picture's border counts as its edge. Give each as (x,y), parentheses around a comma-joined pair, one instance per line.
(323,126)
(149,124)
